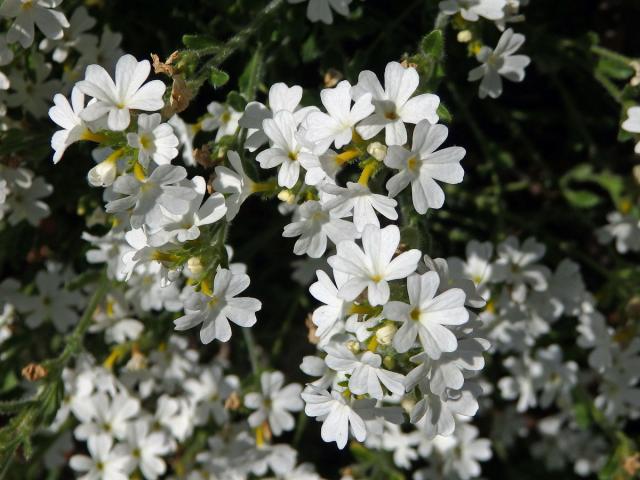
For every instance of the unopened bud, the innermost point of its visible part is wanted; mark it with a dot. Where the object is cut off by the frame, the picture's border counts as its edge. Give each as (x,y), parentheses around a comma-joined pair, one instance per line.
(407,404)
(194,264)
(633,308)
(103,174)
(636,174)
(377,150)
(332,77)
(389,362)
(385,334)
(286,196)
(464,36)
(137,361)
(232,402)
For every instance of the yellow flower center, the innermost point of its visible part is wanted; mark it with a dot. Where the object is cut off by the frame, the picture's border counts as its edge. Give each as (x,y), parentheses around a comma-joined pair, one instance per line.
(146,141)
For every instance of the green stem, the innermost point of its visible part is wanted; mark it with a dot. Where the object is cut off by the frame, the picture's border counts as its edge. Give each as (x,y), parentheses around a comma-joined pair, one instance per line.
(483,143)
(239,39)
(74,341)
(605,52)
(253,351)
(609,86)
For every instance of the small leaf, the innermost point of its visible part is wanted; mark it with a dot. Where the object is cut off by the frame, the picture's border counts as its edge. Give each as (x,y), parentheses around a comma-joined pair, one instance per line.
(236,101)
(310,50)
(432,44)
(218,77)
(581,198)
(199,42)
(444,114)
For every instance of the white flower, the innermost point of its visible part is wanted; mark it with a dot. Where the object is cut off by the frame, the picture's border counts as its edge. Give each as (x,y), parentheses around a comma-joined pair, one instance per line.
(235,184)
(517,266)
(337,415)
(74,37)
(147,197)
(154,140)
(67,116)
(337,124)
(500,62)
(439,411)
(314,225)
(286,150)
(426,315)
(222,118)
(472,10)
(366,372)
(115,320)
(329,318)
(26,13)
(525,375)
(185,133)
(209,392)
(463,453)
(624,228)
(105,463)
(322,168)
(25,200)
(274,403)
(52,302)
(361,202)
(186,227)
(320,10)
(558,377)
(281,97)
(127,93)
(632,124)
(100,413)
(478,268)
(106,52)
(424,164)
(145,449)
(215,309)
(6,57)
(33,93)
(393,105)
(372,266)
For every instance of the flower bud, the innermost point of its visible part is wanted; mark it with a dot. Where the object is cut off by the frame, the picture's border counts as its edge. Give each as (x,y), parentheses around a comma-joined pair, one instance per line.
(636,174)
(377,150)
(385,334)
(407,404)
(195,265)
(103,174)
(286,196)
(464,36)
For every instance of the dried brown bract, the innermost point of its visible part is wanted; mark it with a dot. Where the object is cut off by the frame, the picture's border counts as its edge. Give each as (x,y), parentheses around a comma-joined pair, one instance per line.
(34,372)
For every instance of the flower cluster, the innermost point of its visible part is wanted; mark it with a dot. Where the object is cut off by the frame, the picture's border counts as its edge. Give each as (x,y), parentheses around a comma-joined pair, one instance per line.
(168,364)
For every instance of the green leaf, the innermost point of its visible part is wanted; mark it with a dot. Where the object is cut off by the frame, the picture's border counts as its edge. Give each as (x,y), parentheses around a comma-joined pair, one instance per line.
(581,198)
(432,44)
(310,50)
(218,77)
(236,101)
(251,76)
(199,42)
(615,69)
(582,416)
(443,113)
